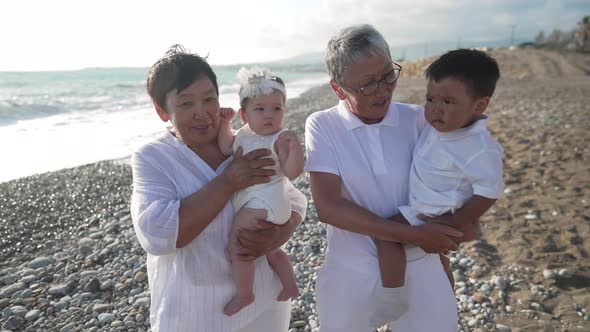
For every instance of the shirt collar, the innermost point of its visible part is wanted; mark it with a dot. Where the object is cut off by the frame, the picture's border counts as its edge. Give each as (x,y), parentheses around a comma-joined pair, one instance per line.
(352,122)
(477,127)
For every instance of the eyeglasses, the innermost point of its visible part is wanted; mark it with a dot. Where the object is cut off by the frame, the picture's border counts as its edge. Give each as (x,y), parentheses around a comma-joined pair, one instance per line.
(372,87)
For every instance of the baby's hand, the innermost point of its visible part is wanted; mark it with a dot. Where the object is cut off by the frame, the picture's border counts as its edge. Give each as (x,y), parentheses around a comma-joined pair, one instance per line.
(288,139)
(227,113)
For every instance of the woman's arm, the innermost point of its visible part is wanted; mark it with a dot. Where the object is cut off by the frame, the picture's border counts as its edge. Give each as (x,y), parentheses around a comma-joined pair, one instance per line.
(163,223)
(199,209)
(466,219)
(268,236)
(337,211)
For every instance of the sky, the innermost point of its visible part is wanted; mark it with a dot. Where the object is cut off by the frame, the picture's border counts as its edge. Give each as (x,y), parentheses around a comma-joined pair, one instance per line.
(73,34)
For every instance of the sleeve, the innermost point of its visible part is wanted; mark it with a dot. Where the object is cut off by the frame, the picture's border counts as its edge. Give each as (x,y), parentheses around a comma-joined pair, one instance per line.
(484,172)
(298,200)
(154,207)
(237,140)
(320,152)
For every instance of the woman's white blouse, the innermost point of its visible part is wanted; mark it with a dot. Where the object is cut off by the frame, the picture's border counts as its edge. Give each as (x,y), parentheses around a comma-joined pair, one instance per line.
(189,286)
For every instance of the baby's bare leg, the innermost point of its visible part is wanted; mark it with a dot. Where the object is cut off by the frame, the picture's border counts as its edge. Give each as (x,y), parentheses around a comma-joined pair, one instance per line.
(390,297)
(392,263)
(281,264)
(242,271)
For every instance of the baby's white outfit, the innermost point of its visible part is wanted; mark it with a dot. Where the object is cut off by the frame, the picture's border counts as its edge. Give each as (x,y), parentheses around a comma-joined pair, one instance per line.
(271,196)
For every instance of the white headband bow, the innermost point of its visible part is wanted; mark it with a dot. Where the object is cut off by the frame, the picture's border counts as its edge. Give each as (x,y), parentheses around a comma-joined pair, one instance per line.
(258,81)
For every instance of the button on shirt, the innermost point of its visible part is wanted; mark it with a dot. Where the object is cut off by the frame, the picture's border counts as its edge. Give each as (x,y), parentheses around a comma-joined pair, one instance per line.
(189,286)
(450,167)
(373,162)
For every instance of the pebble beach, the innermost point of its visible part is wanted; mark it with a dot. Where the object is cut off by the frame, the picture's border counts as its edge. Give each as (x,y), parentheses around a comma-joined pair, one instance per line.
(70,261)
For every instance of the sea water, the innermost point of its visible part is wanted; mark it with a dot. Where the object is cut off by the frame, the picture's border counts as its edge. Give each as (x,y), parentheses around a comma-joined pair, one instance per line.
(55,120)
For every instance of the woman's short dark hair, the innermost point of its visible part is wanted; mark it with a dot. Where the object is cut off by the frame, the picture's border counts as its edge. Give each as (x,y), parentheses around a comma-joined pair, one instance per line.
(476,69)
(177,70)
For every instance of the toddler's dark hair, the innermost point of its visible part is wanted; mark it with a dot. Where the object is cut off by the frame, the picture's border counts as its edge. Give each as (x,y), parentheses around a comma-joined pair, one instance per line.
(476,69)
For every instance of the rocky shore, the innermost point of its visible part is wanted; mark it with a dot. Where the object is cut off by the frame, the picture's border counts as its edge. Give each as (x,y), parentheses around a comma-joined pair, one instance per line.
(69,259)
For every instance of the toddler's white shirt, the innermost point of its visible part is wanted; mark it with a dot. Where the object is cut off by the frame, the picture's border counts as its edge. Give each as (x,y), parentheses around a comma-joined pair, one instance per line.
(449,168)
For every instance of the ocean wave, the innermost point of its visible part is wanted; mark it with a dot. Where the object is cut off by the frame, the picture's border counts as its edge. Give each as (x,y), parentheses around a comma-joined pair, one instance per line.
(11,112)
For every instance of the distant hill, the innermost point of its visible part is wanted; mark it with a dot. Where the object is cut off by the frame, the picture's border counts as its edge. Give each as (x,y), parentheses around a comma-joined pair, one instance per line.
(521,63)
(408,52)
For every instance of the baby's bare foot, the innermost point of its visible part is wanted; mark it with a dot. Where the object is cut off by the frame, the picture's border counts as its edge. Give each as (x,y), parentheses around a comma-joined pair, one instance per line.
(237,303)
(289,292)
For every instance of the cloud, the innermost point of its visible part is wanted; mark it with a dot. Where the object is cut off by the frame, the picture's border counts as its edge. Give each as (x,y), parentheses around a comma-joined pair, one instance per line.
(420,21)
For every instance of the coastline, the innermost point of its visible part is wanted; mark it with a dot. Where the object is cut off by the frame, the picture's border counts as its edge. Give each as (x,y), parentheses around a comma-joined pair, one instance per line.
(69,257)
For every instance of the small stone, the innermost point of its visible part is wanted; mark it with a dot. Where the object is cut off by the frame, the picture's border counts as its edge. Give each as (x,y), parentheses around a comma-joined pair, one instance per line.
(86,242)
(139,318)
(142,302)
(549,274)
(101,307)
(9,290)
(68,328)
(58,290)
(92,286)
(19,310)
(139,276)
(39,262)
(565,273)
(298,323)
(106,285)
(472,322)
(13,323)
(478,298)
(503,328)
(29,279)
(32,315)
(106,318)
(500,282)
(4,303)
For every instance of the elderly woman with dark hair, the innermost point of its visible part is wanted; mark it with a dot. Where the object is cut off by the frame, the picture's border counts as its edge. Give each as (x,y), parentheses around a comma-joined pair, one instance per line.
(359,154)
(182,215)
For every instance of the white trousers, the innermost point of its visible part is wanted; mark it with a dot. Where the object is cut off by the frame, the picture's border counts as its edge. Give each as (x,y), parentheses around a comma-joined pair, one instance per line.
(276,318)
(345,284)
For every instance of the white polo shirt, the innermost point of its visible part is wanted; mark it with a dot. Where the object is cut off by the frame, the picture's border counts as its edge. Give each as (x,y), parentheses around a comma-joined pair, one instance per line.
(449,168)
(373,162)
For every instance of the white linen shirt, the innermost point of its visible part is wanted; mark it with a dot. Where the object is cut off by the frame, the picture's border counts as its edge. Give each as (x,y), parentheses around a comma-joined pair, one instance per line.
(189,286)
(373,162)
(450,167)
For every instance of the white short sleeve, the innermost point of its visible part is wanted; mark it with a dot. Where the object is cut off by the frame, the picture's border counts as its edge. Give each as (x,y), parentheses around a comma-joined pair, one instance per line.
(320,153)
(484,172)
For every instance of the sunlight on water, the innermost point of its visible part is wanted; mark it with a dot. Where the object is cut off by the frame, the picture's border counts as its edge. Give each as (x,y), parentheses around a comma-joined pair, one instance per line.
(70,127)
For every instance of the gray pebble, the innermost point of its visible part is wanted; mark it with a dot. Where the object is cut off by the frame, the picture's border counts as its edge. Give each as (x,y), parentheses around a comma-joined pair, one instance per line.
(106,318)
(40,262)
(32,315)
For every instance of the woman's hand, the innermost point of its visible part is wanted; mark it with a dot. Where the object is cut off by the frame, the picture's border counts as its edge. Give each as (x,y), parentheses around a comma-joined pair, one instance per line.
(437,238)
(248,170)
(253,243)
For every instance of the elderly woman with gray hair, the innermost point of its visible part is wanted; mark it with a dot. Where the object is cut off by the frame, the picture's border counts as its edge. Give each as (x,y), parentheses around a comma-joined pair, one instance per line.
(359,155)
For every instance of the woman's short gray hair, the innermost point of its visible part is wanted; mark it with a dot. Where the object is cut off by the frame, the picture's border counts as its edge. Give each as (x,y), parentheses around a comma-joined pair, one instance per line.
(352,44)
